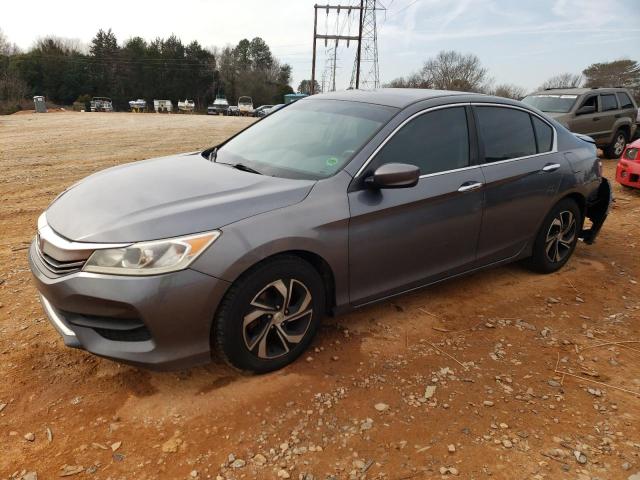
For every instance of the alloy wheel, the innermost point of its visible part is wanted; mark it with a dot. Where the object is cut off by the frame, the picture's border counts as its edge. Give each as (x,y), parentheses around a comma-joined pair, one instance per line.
(560,237)
(618,146)
(278,318)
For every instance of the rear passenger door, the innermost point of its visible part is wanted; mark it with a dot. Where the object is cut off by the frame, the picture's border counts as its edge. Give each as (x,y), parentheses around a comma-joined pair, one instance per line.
(609,110)
(522,172)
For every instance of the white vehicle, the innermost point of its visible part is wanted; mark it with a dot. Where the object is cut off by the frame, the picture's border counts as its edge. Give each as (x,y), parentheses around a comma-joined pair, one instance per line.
(245,105)
(186,105)
(219,107)
(138,105)
(101,104)
(163,106)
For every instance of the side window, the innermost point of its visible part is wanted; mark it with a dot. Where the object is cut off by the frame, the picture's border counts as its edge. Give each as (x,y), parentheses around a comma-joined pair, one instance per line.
(609,102)
(625,101)
(544,134)
(435,142)
(592,101)
(506,133)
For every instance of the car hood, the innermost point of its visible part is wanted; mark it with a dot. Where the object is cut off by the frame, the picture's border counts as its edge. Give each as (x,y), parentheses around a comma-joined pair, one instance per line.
(166,197)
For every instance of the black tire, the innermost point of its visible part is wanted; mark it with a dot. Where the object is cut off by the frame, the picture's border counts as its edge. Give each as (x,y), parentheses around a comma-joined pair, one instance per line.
(264,344)
(617,146)
(556,240)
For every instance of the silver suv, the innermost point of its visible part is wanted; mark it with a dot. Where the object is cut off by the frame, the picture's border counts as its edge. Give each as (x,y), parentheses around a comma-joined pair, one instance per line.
(608,115)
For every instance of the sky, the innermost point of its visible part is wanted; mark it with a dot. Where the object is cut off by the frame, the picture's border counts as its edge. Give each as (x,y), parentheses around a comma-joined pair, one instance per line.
(519,41)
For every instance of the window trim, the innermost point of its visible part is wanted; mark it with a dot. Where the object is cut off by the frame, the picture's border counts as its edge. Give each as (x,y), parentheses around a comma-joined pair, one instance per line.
(463,105)
(480,149)
(554,144)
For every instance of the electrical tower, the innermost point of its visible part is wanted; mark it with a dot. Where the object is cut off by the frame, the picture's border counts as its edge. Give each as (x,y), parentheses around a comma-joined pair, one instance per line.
(366,73)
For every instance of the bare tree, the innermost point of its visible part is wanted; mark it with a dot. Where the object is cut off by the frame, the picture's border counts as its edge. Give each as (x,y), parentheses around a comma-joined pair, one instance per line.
(7,48)
(414,80)
(563,80)
(508,90)
(451,70)
(619,73)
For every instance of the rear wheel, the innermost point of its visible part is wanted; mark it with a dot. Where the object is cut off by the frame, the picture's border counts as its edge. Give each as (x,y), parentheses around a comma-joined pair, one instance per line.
(270,315)
(615,148)
(557,238)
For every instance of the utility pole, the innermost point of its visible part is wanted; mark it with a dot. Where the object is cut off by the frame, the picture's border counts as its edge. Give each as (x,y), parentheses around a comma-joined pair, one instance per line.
(337,37)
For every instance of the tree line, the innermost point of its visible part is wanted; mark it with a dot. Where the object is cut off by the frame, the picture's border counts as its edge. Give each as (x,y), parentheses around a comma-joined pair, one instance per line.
(451,70)
(164,68)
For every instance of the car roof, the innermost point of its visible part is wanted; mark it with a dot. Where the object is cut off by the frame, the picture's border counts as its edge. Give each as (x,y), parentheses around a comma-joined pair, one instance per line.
(578,91)
(391,97)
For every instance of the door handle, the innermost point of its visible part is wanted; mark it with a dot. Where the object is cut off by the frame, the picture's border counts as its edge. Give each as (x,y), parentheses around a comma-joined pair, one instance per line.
(595,119)
(551,167)
(617,115)
(468,186)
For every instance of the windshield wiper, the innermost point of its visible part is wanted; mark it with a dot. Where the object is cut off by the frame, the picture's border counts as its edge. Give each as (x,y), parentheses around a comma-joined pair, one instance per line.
(213,154)
(244,168)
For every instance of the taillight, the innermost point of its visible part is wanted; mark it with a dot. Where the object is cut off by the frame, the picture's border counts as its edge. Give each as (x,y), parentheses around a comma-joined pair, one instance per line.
(631,154)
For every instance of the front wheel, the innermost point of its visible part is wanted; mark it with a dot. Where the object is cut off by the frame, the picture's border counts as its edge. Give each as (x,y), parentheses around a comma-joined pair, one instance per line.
(615,148)
(270,315)
(557,238)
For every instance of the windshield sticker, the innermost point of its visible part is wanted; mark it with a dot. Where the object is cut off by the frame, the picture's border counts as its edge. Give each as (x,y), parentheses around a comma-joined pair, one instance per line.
(332,161)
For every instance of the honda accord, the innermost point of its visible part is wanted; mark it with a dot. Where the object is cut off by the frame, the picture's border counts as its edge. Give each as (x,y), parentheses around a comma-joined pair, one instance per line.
(329,204)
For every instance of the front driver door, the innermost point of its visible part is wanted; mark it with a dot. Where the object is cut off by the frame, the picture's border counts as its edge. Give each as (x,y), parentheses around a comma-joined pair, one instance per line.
(403,238)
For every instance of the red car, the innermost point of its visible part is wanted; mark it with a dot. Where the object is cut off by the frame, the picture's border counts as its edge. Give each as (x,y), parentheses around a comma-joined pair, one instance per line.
(628,171)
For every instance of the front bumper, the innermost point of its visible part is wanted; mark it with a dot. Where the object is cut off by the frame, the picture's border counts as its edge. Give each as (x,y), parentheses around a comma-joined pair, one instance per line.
(161,321)
(628,173)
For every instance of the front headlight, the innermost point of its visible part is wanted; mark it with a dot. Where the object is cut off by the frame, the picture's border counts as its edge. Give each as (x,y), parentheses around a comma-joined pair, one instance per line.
(150,258)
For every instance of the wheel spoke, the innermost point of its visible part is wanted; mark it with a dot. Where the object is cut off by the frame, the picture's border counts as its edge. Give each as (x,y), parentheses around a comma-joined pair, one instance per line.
(291,338)
(281,336)
(282,290)
(297,316)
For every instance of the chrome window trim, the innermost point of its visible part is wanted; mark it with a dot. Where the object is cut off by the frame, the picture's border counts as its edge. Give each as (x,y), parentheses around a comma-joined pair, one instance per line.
(55,318)
(554,146)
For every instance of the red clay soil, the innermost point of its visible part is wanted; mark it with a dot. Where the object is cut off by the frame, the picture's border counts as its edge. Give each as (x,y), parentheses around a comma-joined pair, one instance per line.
(457,380)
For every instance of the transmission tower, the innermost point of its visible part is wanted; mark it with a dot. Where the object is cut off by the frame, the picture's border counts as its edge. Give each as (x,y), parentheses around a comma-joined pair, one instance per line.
(368,76)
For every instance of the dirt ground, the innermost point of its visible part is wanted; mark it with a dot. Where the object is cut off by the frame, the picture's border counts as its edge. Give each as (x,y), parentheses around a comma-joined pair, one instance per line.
(457,380)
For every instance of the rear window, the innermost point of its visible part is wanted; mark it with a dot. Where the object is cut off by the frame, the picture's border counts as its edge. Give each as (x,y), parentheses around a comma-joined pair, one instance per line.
(506,133)
(625,100)
(609,102)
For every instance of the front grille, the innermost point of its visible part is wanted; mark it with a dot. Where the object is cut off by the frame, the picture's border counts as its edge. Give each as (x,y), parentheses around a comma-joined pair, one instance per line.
(634,177)
(56,266)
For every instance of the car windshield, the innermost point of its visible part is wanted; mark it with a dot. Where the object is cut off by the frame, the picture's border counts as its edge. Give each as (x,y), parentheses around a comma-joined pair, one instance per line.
(309,139)
(551,103)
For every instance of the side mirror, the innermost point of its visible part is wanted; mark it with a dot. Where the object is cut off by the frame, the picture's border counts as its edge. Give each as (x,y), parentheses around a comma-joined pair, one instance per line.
(586,109)
(394,175)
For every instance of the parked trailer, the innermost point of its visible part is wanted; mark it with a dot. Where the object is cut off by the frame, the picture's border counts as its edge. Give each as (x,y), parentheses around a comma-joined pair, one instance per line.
(101,104)
(186,106)
(163,106)
(138,106)
(245,106)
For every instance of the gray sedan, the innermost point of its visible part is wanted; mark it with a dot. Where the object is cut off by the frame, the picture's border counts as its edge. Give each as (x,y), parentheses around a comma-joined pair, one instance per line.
(329,204)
